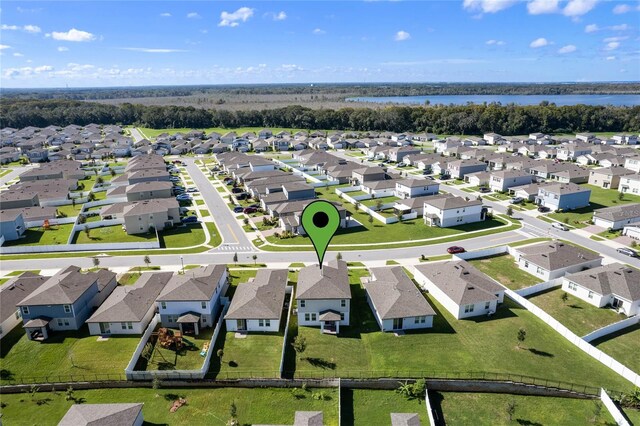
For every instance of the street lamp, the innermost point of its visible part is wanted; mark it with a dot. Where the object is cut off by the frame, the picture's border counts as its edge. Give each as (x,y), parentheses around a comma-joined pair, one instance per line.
(182,261)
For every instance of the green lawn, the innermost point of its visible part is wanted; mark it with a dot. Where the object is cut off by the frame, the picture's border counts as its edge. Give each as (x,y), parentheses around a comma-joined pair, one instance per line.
(129,278)
(182,236)
(576,314)
(111,234)
(216,238)
(204,406)
(624,346)
(64,354)
(57,234)
(199,202)
(600,198)
(205,213)
(186,358)
(491,409)
(481,344)
(16,273)
(374,201)
(69,210)
(374,407)
(504,269)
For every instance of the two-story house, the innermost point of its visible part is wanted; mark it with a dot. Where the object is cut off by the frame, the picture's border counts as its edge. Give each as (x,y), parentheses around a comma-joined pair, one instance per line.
(501,181)
(452,211)
(563,196)
(410,188)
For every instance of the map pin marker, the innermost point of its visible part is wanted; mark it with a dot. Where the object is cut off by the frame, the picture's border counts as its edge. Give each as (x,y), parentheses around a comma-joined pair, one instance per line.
(320,220)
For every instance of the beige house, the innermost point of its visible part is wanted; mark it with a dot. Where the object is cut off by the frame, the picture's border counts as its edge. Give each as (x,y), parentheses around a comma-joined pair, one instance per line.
(148,190)
(608,177)
(159,214)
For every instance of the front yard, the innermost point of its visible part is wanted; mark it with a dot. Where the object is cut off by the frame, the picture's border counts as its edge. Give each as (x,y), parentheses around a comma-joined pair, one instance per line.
(575,314)
(64,354)
(504,269)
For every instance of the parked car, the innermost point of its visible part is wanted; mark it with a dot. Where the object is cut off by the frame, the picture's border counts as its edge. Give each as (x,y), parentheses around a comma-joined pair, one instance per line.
(190,219)
(560,226)
(257,206)
(543,209)
(516,200)
(455,249)
(484,190)
(627,251)
(401,165)
(174,179)
(192,189)
(237,190)
(183,210)
(249,210)
(183,197)
(177,162)
(445,176)
(242,196)
(238,209)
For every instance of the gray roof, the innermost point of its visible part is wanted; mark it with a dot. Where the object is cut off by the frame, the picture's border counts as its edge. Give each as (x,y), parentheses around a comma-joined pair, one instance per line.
(556,255)
(461,282)
(148,186)
(394,295)
(405,419)
(418,202)
(131,303)
(15,290)
(565,188)
(331,283)
(189,318)
(618,279)
(260,299)
(196,284)
(308,418)
(446,203)
(627,211)
(101,415)
(37,322)
(67,286)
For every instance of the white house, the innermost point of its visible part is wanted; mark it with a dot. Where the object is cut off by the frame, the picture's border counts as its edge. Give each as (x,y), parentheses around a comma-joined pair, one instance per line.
(501,181)
(257,305)
(630,184)
(410,188)
(617,217)
(550,260)
(11,293)
(633,164)
(452,211)
(192,300)
(129,309)
(324,296)
(612,285)
(396,302)
(460,288)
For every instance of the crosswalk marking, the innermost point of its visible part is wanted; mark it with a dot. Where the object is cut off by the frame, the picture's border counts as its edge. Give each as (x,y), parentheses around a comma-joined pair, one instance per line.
(233,248)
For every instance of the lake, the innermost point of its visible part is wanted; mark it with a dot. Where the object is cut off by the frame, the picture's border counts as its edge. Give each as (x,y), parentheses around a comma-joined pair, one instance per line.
(560,100)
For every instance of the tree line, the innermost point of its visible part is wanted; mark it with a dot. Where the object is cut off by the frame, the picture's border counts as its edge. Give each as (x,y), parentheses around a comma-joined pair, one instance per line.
(461,119)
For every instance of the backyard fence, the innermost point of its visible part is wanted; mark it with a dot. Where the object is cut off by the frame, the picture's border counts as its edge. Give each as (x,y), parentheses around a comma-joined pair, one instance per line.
(537,288)
(612,328)
(289,290)
(613,409)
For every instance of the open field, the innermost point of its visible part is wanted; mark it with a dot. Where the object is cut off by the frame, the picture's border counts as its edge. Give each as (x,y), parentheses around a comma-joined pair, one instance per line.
(374,407)
(204,406)
(503,269)
(624,346)
(576,314)
(491,409)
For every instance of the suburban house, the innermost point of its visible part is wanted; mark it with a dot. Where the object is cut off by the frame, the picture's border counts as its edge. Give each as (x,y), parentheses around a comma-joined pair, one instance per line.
(367,174)
(614,285)
(129,414)
(478,178)
(550,260)
(460,288)
(191,301)
(459,168)
(396,302)
(410,188)
(258,305)
(452,211)
(14,199)
(65,301)
(11,293)
(148,190)
(501,181)
(617,217)
(563,196)
(158,214)
(608,177)
(628,183)
(129,309)
(416,205)
(625,139)
(572,151)
(398,153)
(11,225)
(324,296)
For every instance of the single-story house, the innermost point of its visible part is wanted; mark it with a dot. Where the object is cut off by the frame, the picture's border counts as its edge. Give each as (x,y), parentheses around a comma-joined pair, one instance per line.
(550,260)
(617,217)
(11,293)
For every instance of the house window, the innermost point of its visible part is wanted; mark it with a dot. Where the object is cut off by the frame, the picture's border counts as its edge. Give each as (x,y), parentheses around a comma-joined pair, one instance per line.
(203,305)
(487,305)
(267,323)
(313,317)
(307,316)
(67,309)
(260,323)
(59,322)
(123,325)
(341,316)
(25,310)
(572,286)
(526,264)
(468,308)
(539,270)
(343,303)
(163,305)
(303,303)
(590,295)
(420,320)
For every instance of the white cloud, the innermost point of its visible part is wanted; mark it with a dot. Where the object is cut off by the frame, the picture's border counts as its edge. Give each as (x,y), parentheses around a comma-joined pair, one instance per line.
(72,35)
(43,68)
(193,15)
(232,19)
(610,39)
(539,7)
(33,29)
(591,28)
(487,6)
(621,27)
(18,55)
(281,16)
(4,46)
(612,45)
(622,8)
(569,48)
(611,58)
(62,49)
(402,36)
(165,15)
(318,31)
(495,42)
(539,42)
(577,8)
(152,50)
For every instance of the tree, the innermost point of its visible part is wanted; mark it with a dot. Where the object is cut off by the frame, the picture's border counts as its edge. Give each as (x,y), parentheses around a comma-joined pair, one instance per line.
(398,214)
(597,411)
(564,297)
(235,258)
(522,335)
(73,203)
(220,354)
(233,415)
(511,409)
(379,205)
(255,258)
(96,262)
(147,260)
(87,231)
(299,345)
(370,219)
(620,196)
(91,196)
(246,221)
(99,180)
(339,256)
(112,172)
(509,211)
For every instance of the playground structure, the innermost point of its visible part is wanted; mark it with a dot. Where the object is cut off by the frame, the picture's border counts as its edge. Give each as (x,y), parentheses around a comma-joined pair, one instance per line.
(168,338)
(205,348)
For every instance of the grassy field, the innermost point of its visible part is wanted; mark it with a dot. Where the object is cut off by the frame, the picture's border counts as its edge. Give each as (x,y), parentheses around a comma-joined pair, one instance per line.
(576,314)
(374,407)
(74,353)
(624,346)
(204,406)
(182,236)
(503,269)
(216,238)
(186,358)
(111,234)
(57,234)
(600,198)
(491,409)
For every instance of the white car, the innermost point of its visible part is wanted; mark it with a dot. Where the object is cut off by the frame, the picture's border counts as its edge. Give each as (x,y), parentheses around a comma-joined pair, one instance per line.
(560,226)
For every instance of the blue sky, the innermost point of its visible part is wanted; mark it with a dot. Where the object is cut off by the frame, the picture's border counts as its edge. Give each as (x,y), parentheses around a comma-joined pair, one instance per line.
(133,43)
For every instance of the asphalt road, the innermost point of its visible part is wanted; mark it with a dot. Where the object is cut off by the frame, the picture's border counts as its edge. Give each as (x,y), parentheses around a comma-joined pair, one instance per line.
(17,171)
(135,134)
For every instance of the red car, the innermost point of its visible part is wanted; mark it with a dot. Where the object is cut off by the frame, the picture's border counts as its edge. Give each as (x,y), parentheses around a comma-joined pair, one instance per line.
(455,249)
(250,210)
